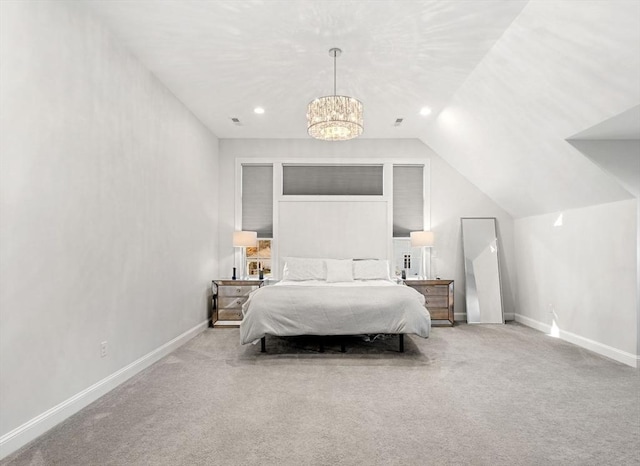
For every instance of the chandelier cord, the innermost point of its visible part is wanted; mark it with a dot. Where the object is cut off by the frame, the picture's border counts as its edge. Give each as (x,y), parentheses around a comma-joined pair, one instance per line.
(335,54)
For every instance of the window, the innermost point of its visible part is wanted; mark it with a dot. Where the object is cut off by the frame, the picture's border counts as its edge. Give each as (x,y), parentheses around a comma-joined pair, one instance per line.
(257,199)
(408,199)
(408,216)
(257,215)
(258,258)
(332,180)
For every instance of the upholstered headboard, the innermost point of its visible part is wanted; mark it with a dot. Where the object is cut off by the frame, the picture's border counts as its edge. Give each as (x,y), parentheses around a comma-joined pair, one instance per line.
(334,229)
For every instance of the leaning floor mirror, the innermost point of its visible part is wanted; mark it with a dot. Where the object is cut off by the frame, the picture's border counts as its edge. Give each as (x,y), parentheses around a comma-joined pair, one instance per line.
(481,270)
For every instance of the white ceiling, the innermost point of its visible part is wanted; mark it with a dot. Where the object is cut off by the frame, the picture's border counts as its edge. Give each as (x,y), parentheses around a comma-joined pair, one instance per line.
(561,67)
(223,58)
(509,82)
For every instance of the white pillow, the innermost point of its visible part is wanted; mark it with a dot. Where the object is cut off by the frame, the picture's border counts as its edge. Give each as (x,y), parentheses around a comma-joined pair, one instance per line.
(339,270)
(297,269)
(371,270)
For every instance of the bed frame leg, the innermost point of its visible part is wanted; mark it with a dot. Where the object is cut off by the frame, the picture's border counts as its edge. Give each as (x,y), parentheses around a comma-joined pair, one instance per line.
(263,344)
(401,335)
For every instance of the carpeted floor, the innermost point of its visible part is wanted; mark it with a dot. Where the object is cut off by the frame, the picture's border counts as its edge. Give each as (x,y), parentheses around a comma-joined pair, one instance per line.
(485,395)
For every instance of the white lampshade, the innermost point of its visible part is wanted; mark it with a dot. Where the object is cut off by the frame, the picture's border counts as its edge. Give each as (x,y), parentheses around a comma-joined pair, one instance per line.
(421,238)
(245,239)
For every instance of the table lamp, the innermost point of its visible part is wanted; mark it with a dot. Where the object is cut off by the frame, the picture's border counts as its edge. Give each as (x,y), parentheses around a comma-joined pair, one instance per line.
(243,239)
(422,239)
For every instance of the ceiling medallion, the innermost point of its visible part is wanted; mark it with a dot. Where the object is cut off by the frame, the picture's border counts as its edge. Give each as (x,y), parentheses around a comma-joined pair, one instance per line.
(335,117)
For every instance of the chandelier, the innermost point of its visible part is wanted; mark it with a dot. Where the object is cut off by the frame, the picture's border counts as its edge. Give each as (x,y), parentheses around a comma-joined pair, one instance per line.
(334,117)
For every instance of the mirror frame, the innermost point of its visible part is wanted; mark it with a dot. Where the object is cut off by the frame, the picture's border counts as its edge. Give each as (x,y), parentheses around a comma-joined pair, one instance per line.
(466,272)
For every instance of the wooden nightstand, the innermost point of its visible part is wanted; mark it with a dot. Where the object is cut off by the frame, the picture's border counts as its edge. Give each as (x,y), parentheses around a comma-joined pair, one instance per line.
(228,298)
(438,295)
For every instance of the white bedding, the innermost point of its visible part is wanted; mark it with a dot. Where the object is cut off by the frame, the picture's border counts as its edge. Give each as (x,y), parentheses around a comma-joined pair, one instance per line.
(315,307)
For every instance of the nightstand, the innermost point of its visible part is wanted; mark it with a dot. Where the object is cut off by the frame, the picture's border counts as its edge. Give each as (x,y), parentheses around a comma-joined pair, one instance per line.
(438,295)
(228,298)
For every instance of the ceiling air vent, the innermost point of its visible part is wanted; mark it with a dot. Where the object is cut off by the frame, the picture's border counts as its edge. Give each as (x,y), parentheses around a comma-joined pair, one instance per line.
(398,121)
(236,121)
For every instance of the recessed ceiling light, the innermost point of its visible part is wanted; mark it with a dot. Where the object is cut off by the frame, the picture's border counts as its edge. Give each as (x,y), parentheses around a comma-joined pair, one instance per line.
(424,111)
(258,110)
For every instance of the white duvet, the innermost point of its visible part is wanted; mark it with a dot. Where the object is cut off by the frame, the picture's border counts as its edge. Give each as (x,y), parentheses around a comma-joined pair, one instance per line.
(321,308)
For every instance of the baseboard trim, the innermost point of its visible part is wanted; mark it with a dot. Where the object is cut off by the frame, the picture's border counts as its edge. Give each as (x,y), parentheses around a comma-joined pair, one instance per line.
(604,350)
(459,316)
(20,436)
(462,317)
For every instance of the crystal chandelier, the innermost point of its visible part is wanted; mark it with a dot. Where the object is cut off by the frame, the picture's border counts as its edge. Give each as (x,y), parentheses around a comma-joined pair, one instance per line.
(334,117)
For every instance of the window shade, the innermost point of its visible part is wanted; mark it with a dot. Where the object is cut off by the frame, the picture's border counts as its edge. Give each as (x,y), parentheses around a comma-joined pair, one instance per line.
(408,199)
(332,180)
(257,199)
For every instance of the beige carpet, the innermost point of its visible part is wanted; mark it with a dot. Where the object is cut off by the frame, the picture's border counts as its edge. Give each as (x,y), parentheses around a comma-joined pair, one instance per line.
(485,395)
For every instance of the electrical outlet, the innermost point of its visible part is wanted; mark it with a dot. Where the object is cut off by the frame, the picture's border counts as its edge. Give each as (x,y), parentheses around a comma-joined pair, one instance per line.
(103,349)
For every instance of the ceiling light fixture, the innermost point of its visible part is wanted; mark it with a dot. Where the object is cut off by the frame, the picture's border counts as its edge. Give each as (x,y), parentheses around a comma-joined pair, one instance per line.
(335,117)
(258,110)
(424,111)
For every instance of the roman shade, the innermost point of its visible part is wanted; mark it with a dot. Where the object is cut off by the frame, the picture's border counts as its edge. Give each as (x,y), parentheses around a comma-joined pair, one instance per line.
(257,199)
(332,180)
(408,199)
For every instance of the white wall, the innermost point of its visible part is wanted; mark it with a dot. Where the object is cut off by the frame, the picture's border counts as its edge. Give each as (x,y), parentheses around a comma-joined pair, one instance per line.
(618,157)
(452,197)
(109,210)
(507,128)
(621,159)
(582,275)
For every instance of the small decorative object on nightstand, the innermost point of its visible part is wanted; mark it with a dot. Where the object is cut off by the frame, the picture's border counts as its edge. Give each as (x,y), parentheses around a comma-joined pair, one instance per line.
(438,295)
(228,298)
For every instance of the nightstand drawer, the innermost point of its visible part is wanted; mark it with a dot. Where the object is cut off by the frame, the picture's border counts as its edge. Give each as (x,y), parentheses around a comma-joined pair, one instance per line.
(436,290)
(438,313)
(230,314)
(436,301)
(237,290)
(231,302)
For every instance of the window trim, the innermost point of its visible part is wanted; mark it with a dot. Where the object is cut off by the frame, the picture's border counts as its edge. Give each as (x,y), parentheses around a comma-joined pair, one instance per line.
(277,163)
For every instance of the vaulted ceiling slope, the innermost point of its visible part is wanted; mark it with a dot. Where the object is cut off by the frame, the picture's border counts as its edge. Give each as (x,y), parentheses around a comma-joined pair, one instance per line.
(508,81)
(560,68)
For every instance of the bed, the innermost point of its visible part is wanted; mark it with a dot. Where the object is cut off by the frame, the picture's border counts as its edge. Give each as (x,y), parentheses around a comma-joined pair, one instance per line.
(328,297)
